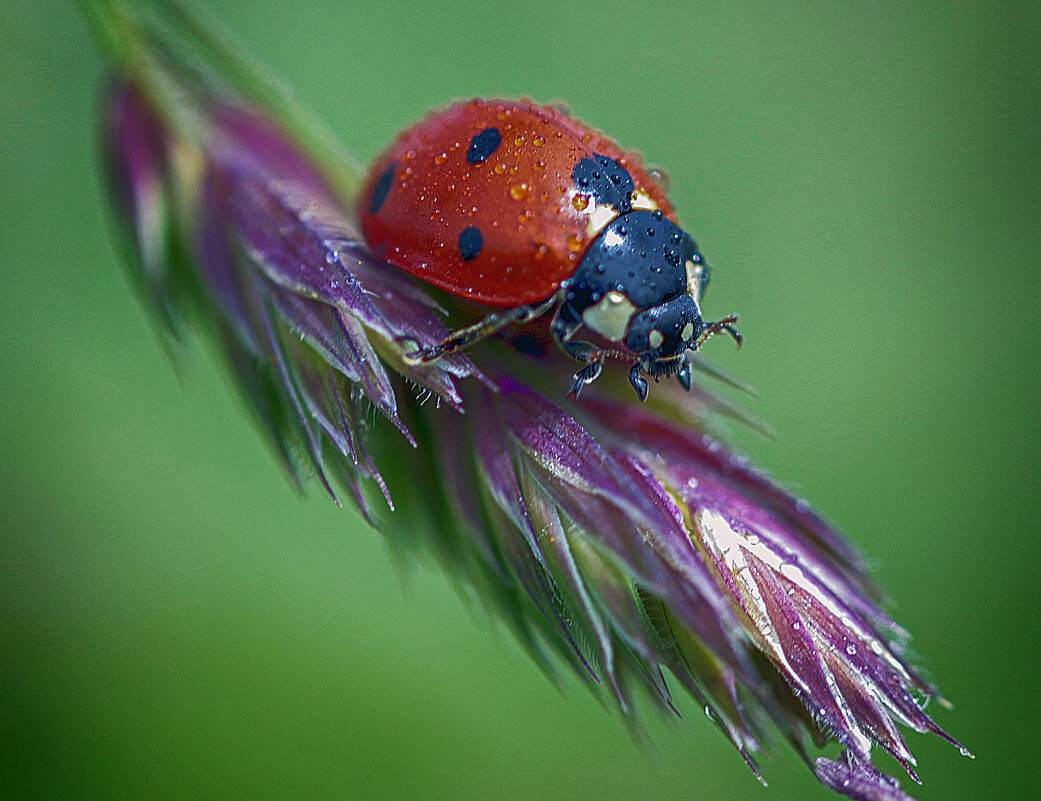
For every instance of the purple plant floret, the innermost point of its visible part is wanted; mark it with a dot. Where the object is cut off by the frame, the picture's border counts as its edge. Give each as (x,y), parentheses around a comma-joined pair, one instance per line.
(620,536)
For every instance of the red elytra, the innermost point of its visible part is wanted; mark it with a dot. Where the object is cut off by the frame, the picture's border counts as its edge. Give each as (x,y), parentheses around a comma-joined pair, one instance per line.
(439,180)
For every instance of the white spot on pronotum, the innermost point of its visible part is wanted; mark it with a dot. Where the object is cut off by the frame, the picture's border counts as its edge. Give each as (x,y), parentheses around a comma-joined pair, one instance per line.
(599,216)
(687,332)
(612,238)
(655,339)
(642,200)
(610,317)
(694,272)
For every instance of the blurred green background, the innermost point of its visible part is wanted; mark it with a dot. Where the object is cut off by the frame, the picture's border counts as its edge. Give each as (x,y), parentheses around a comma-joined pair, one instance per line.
(175,623)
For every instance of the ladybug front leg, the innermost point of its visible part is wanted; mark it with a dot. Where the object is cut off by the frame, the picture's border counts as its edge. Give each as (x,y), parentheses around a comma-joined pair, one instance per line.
(464,337)
(591,356)
(593,359)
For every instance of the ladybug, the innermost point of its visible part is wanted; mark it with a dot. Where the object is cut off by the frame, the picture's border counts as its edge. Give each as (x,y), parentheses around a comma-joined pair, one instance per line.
(519,206)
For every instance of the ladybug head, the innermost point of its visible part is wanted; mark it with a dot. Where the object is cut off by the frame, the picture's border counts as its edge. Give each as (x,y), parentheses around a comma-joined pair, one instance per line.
(639,284)
(665,331)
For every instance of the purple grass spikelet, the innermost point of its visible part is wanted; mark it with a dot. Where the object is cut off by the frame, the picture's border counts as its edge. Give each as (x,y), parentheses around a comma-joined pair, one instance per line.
(619,539)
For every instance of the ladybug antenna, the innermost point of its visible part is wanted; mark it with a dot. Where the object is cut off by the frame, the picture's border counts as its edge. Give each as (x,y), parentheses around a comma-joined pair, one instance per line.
(711,329)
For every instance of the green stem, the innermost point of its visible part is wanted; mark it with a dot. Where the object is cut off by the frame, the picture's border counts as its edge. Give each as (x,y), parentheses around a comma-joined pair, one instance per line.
(122,40)
(126,37)
(233,63)
(114,31)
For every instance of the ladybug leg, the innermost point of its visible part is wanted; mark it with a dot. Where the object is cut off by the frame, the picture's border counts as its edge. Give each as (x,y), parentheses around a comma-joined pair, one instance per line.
(591,356)
(638,381)
(587,375)
(464,337)
(683,375)
(593,363)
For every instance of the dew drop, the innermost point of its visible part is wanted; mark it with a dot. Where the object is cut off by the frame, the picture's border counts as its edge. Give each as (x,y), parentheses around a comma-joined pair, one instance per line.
(580,202)
(574,243)
(519,191)
(499,169)
(520,140)
(796,625)
(802,505)
(440,158)
(851,649)
(660,177)
(538,141)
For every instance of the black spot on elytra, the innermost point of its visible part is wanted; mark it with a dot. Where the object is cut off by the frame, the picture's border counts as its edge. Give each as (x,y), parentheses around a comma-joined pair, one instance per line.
(382,189)
(483,145)
(470,243)
(606,180)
